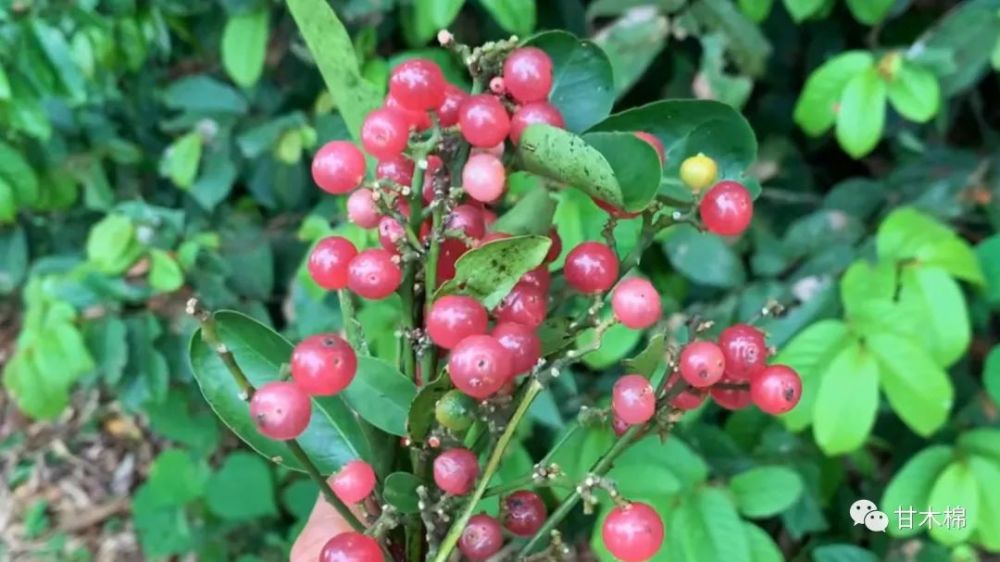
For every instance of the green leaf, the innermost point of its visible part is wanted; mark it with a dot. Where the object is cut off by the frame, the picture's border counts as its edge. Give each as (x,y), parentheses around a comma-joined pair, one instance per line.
(8,206)
(991,374)
(381,395)
(967,33)
(60,57)
(847,401)
(908,234)
(721,85)
(431,15)
(987,473)
(982,441)
(18,174)
(173,418)
(488,272)
(842,553)
(515,16)
(4,85)
(747,45)
(635,164)
(532,214)
(810,354)
(14,266)
(861,116)
(685,464)
(816,109)
(756,10)
(165,273)
(175,478)
(917,388)
(988,252)
(242,489)
(802,10)
(942,316)
(617,342)
(911,485)
(709,528)
(762,547)
(632,44)
(111,244)
(181,159)
(704,258)
(650,359)
(400,491)
(582,78)
(914,92)
(870,11)
(201,94)
(765,491)
(244,46)
(334,436)
(338,63)
(421,416)
(567,158)
(956,486)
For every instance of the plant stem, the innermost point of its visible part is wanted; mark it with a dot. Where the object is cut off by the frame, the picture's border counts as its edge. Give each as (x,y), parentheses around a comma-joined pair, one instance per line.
(351,325)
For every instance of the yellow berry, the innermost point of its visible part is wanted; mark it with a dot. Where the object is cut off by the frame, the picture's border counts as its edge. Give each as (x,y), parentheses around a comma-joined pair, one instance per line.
(699,171)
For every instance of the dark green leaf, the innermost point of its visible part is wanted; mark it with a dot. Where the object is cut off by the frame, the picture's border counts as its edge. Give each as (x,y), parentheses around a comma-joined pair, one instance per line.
(515,16)
(400,491)
(842,553)
(967,34)
(816,109)
(870,11)
(917,388)
(202,94)
(244,45)
(635,164)
(57,51)
(802,10)
(911,485)
(861,115)
(18,175)
(421,416)
(991,374)
(765,491)
(242,489)
(490,271)
(532,214)
(381,395)
(567,158)
(704,258)
(632,43)
(14,266)
(650,359)
(988,252)
(748,46)
(846,401)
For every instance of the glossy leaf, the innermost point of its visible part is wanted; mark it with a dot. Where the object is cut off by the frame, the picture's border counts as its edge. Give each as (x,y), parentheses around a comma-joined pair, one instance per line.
(564,157)
(381,395)
(911,485)
(765,491)
(400,491)
(635,164)
(244,46)
(846,401)
(816,108)
(861,116)
(488,272)
(532,214)
(914,92)
(917,388)
(704,258)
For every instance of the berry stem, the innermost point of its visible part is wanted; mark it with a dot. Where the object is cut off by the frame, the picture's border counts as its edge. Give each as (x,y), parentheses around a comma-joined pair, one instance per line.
(352,327)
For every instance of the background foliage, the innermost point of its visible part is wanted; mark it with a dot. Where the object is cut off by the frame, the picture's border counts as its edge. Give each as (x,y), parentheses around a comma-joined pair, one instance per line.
(155,150)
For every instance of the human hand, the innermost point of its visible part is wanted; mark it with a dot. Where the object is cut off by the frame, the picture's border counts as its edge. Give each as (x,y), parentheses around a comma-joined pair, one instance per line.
(323,524)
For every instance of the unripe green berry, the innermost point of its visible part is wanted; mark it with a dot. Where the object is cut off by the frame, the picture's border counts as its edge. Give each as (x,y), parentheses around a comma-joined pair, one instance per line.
(455,411)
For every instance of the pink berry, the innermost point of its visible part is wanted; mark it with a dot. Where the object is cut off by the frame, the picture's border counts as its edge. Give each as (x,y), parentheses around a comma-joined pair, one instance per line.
(731,398)
(555,250)
(351,547)
(776,389)
(448,110)
(636,303)
(540,278)
(702,364)
(689,398)
(655,142)
(726,209)
(418,85)
(329,261)
(521,342)
(385,133)
(527,74)
(361,208)
(354,482)
(531,113)
(591,268)
(456,470)
(633,533)
(614,211)
(398,169)
(523,513)
(483,121)
(451,250)
(619,426)
(323,364)
(281,410)
(745,351)
(479,366)
(338,167)
(419,120)
(389,233)
(497,86)
(468,219)
(633,399)
(524,304)
(373,275)
(453,318)
(484,177)
(481,538)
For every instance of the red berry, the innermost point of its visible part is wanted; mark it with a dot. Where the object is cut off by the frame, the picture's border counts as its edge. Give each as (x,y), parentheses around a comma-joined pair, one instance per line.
(745,351)
(323,364)
(702,364)
(633,399)
(726,209)
(619,426)
(451,250)
(338,167)
(373,275)
(531,113)
(389,233)
(361,208)
(689,398)
(418,120)
(484,177)
(481,538)
(527,74)
(398,169)
(329,261)
(497,86)
(591,267)
(489,217)
(434,165)
(281,410)
(523,513)
(448,110)
(479,366)
(354,482)
(497,150)
(731,398)
(776,389)
(614,211)
(555,250)
(636,303)
(483,121)
(655,142)
(385,133)
(351,547)
(521,342)
(455,471)
(418,85)
(540,278)
(633,533)
(469,219)
(524,304)
(453,318)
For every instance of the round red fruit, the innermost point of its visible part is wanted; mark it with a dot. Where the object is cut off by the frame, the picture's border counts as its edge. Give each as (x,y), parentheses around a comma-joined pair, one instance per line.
(523,513)
(354,482)
(591,268)
(361,208)
(776,389)
(527,74)
(448,110)
(338,167)
(532,113)
(633,533)
(281,410)
(540,278)
(419,120)
(373,275)
(726,209)
(524,304)
(389,233)
(636,303)
(479,366)
(745,351)
(483,121)
(323,364)
(619,426)
(689,398)
(456,470)
(418,84)
(453,318)
(633,399)
(385,133)
(468,219)
(481,538)
(521,342)
(655,142)
(702,364)
(329,262)
(484,177)
(731,394)
(451,250)
(398,169)
(351,547)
